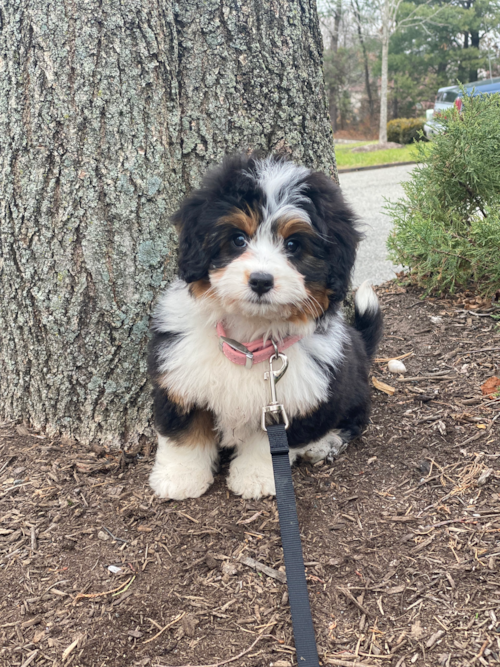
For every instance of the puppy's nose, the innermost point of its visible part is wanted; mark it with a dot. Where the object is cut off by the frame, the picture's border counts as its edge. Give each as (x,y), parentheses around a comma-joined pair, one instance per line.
(261,282)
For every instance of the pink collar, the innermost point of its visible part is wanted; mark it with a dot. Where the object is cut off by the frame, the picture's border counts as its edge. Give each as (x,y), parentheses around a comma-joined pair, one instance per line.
(248,354)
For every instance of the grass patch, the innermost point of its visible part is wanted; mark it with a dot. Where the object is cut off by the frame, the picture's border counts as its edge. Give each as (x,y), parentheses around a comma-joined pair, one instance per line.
(347,159)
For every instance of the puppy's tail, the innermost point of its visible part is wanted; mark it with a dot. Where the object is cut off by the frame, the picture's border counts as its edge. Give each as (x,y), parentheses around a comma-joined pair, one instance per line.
(368,318)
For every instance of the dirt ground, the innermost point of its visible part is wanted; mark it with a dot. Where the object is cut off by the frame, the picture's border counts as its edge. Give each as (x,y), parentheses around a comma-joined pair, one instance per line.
(401,534)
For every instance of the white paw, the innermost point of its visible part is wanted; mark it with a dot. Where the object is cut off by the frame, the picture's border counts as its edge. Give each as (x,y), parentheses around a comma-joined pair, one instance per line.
(251,479)
(178,483)
(327,449)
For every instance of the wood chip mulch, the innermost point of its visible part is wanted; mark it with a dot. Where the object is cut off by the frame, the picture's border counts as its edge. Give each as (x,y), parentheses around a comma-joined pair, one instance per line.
(401,534)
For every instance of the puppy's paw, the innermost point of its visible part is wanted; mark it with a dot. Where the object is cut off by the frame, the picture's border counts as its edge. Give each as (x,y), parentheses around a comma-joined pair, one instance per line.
(326,449)
(251,479)
(178,483)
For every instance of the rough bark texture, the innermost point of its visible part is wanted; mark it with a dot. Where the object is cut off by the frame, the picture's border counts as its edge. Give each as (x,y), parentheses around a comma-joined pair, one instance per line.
(109,113)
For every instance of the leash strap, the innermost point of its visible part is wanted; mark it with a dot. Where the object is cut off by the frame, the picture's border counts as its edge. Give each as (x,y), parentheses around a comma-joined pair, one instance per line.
(303,630)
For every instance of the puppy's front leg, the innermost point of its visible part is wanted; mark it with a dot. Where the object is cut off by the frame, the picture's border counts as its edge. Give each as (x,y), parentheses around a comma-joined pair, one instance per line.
(187,451)
(182,471)
(251,472)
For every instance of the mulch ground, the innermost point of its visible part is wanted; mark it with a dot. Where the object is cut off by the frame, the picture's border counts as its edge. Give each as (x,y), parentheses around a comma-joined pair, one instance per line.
(401,534)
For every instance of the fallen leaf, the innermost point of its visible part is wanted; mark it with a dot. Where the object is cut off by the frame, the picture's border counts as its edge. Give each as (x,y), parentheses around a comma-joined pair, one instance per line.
(491,386)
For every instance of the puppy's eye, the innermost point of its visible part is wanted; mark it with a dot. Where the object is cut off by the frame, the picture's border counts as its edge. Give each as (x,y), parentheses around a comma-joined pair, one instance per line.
(292,246)
(240,240)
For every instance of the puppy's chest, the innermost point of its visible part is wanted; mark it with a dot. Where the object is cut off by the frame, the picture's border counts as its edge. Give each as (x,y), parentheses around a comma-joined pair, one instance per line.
(199,371)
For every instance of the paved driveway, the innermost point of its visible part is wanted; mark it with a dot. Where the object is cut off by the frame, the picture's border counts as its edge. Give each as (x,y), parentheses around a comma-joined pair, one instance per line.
(366,192)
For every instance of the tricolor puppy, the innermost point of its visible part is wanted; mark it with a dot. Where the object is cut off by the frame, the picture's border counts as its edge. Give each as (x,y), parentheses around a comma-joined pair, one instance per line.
(266,251)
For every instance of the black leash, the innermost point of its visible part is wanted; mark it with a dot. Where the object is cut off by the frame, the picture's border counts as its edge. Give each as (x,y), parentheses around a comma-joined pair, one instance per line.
(303,630)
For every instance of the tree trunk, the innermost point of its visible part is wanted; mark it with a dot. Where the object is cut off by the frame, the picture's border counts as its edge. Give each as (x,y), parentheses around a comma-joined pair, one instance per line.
(474,42)
(334,91)
(395,107)
(336,25)
(357,13)
(109,114)
(382,136)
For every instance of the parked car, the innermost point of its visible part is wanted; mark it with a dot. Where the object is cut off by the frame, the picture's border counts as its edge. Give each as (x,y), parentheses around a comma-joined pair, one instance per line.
(451,96)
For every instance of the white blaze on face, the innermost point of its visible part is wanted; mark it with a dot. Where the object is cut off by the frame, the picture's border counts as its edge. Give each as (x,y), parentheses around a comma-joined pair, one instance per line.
(280,182)
(263,255)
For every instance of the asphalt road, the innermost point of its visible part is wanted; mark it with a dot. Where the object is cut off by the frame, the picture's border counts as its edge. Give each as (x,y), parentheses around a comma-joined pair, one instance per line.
(366,191)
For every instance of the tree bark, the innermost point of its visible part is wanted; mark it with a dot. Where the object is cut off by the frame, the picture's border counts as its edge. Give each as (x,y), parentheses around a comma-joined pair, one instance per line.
(110,112)
(382,136)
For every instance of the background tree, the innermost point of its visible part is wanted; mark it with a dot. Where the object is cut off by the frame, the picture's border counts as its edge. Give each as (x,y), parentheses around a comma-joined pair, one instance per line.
(109,113)
(425,58)
(424,54)
(395,16)
(347,61)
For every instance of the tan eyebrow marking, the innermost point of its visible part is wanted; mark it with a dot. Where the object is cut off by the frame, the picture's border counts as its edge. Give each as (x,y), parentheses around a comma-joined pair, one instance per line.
(289,226)
(247,221)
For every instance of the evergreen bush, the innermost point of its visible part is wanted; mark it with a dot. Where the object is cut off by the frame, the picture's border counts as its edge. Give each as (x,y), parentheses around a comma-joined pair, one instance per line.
(405,130)
(447,228)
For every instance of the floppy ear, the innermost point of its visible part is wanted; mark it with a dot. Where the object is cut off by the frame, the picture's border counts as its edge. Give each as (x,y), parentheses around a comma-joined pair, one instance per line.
(336,223)
(193,261)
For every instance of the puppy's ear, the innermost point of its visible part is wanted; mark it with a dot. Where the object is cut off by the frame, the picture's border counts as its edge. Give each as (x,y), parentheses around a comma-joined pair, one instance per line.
(336,223)
(194,261)
(222,187)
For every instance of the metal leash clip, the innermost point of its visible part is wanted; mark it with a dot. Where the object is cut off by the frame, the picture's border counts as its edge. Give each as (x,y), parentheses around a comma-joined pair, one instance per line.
(274,377)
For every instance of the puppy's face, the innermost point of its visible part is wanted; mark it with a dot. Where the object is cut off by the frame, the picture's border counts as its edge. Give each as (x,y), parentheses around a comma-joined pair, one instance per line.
(267,238)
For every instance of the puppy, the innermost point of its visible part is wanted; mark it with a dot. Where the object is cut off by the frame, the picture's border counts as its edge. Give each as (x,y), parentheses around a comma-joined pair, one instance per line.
(266,251)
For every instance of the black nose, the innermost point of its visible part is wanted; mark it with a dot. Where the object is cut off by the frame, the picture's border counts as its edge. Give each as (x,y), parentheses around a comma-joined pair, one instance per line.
(261,282)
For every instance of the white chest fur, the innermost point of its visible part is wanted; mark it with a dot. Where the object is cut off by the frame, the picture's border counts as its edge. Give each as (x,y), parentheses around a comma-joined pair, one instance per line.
(199,373)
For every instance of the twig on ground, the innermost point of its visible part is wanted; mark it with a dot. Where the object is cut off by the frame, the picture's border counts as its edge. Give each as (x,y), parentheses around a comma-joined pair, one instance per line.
(237,657)
(31,658)
(349,663)
(6,464)
(275,574)
(384,360)
(178,618)
(428,377)
(118,539)
(351,597)
(120,589)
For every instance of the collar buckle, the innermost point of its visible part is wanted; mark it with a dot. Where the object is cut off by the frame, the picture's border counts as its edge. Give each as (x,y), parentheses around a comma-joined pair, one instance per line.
(238,347)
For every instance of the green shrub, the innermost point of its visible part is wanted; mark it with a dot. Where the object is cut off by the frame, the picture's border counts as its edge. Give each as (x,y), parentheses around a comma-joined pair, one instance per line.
(447,228)
(405,130)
